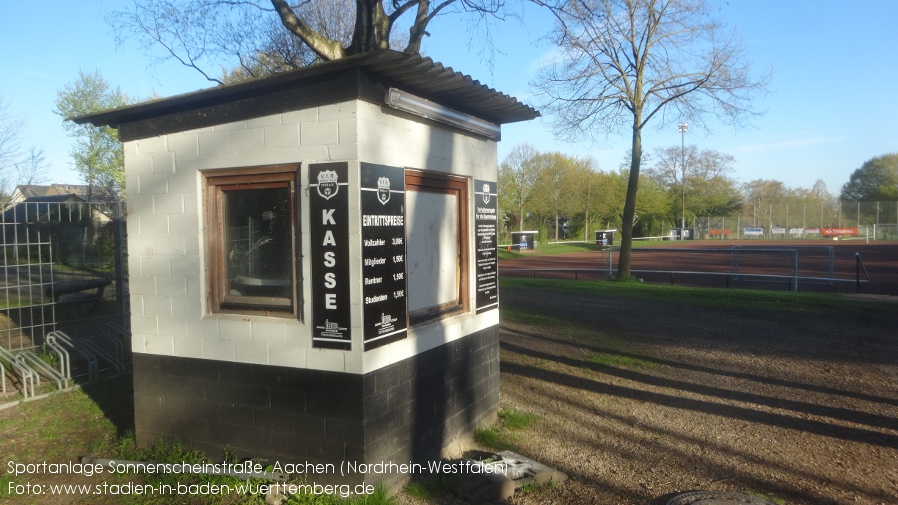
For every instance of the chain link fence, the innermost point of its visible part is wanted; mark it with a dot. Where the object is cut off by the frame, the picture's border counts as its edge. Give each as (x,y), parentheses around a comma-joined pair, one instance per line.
(804,220)
(62,267)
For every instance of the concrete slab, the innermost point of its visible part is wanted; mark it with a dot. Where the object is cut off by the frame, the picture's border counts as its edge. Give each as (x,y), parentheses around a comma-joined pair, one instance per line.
(717,498)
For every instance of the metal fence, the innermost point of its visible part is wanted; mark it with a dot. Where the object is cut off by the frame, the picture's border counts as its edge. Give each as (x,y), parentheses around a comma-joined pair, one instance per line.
(803,220)
(62,268)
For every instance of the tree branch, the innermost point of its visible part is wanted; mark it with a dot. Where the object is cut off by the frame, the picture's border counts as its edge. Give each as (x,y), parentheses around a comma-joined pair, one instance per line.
(324,47)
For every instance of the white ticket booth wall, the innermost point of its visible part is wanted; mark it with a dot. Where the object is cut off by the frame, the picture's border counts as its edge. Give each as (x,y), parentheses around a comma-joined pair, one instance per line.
(312,262)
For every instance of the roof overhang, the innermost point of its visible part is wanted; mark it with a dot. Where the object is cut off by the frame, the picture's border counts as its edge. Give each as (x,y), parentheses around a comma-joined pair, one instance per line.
(367,77)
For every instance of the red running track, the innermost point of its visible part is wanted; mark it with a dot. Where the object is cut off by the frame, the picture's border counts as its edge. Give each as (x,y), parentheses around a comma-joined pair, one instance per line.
(675,261)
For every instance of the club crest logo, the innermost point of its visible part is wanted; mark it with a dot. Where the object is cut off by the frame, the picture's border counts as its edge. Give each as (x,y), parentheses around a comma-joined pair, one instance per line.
(327,184)
(486,193)
(383,190)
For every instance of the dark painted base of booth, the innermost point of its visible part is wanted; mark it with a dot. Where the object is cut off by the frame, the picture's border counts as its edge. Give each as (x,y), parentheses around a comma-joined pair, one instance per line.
(401,413)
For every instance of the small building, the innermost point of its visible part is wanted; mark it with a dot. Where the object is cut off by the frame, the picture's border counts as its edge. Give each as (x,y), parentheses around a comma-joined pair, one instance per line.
(312,261)
(25,191)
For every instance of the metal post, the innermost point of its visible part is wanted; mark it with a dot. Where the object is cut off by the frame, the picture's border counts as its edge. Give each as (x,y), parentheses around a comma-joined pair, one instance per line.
(120,264)
(683,128)
(794,255)
(832,261)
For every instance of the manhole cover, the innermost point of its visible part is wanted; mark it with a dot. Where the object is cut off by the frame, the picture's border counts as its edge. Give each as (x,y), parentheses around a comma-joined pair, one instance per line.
(717,498)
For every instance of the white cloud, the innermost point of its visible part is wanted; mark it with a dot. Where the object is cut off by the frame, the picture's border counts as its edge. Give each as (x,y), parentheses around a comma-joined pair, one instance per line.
(30,72)
(787,144)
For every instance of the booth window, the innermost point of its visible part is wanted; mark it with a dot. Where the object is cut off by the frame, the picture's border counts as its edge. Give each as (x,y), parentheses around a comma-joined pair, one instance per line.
(437,244)
(251,240)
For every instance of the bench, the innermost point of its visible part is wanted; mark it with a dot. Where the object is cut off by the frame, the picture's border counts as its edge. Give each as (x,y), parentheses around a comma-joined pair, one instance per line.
(98,286)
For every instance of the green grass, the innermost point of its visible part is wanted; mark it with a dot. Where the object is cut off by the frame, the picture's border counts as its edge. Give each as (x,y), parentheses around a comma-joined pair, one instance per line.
(14,304)
(5,480)
(171,451)
(508,312)
(514,419)
(66,426)
(778,501)
(543,249)
(620,361)
(716,298)
(432,487)
(507,431)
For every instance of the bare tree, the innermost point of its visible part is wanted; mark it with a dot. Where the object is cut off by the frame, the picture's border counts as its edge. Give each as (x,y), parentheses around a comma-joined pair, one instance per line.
(670,165)
(625,63)
(32,168)
(252,38)
(17,167)
(10,138)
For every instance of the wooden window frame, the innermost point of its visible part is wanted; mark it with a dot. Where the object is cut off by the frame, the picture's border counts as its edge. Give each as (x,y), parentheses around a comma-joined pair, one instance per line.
(266,177)
(435,182)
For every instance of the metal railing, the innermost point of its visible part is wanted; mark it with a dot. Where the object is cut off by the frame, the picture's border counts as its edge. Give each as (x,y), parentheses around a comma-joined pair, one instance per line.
(790,281)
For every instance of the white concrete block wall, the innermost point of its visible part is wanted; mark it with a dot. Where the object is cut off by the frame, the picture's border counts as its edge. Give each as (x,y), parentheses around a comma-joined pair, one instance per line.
(170,315)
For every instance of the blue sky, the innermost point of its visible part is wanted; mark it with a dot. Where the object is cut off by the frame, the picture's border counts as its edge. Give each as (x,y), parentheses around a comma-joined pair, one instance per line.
(832,103)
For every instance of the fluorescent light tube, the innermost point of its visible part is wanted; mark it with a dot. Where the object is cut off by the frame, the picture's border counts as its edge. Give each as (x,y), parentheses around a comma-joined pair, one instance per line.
(418,106)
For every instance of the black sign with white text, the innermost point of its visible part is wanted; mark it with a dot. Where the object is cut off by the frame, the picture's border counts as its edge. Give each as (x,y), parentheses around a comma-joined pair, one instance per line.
(383,254)
(486,226)
(329,234)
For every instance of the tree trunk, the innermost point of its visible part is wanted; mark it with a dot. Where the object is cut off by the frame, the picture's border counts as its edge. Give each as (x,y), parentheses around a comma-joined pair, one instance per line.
(629,215)
(586,226)
(324,47)
(556,226)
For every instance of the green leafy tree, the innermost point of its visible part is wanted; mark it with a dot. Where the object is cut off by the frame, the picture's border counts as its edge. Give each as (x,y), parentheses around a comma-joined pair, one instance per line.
(717,196)
(555,187)
(761,195)
(625,63)
(876,180)
(517,177)
(697,183)
(587,186)
(97,154)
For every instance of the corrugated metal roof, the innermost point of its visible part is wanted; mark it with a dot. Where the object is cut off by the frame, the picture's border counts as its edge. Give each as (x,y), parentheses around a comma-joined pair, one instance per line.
(413,73)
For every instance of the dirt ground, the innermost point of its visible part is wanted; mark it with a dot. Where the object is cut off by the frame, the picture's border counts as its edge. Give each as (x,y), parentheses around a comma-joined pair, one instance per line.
(640,401)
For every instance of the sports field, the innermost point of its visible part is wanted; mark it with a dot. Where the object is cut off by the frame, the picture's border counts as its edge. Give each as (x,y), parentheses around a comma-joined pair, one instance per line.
(824,265)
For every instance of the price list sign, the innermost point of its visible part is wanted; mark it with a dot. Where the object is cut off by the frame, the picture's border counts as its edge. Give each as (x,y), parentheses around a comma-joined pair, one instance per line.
(383,254)
(486,226)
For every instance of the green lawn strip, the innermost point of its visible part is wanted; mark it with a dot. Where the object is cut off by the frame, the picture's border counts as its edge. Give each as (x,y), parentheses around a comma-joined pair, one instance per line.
(737,299)
(505,433)
(548,250)
(64,427)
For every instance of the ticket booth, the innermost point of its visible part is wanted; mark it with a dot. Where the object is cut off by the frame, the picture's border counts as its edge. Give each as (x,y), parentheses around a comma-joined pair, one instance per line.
(312,262)
(523,240)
